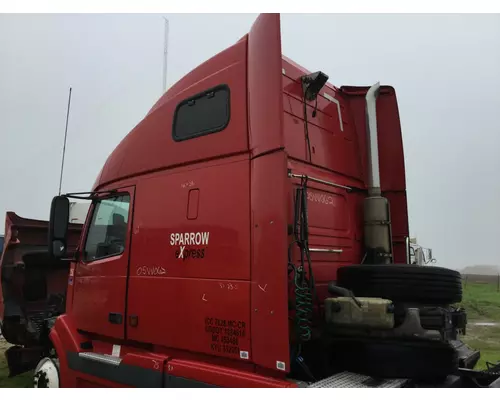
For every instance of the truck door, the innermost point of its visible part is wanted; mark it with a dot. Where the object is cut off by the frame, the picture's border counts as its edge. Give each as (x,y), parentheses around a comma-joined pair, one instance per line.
(101,271)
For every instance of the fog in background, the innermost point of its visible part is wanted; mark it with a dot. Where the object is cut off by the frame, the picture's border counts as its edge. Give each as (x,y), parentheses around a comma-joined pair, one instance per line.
(445,68)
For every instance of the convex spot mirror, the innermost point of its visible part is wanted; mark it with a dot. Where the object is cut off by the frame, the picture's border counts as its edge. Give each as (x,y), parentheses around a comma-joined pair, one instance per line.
(58,226)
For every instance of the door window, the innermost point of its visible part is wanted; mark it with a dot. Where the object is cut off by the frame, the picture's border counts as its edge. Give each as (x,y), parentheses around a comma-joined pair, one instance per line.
(108,228)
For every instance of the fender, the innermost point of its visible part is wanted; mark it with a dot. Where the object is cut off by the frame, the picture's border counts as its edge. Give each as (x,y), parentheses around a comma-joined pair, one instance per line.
(65,338)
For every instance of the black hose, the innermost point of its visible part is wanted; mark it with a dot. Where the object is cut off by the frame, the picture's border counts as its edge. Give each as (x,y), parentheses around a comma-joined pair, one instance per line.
(304,283)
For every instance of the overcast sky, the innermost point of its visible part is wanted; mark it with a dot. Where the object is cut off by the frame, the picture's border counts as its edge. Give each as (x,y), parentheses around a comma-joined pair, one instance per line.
(445,68)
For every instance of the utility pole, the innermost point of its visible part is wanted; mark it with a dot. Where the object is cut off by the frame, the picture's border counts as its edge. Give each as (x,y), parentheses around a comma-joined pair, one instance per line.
(65,136)
(165,56)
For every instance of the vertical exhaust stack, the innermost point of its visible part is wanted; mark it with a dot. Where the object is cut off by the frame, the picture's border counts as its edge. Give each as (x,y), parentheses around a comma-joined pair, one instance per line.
(377,220)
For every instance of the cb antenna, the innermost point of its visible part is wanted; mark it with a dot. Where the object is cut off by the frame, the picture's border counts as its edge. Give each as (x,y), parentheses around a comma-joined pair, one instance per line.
(65,136)
(165,55)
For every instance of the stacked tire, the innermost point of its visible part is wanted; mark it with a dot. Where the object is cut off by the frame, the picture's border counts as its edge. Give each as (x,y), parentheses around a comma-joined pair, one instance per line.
(412,358)
(403,283)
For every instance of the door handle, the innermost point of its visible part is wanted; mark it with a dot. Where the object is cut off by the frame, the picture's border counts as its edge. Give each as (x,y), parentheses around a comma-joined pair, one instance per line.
(115,318)
(133,320)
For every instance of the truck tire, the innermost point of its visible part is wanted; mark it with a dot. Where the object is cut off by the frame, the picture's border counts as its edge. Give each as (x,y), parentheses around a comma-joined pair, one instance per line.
(403,283)
(46,374)
(392,359)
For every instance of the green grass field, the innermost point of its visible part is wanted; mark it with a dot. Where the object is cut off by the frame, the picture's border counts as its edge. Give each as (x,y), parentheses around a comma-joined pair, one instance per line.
(486,339)
(482,302)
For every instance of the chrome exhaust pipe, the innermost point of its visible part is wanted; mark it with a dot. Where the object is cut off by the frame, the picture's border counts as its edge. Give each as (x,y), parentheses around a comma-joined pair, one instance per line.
(371,129)
(378,235)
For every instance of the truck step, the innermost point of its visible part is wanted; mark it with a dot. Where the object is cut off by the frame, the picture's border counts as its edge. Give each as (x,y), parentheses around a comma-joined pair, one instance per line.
(351,380)
(102,358)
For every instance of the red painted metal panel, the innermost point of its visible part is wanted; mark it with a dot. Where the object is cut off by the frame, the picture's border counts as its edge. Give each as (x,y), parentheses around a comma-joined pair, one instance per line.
(149,146)
(187,293)
(65,338)
(269,194)
(265,104)
(334,218)
(223,222)
(208,316)
(391,156)
(331,134)
(222,376)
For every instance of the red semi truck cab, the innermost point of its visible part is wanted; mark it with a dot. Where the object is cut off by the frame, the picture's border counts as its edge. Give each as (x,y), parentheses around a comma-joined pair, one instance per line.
(219,223)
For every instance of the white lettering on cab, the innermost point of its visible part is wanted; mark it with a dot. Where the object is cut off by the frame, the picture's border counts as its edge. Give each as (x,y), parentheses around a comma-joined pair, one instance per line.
(189,239)
(185,240)
(150,271)
(320,198)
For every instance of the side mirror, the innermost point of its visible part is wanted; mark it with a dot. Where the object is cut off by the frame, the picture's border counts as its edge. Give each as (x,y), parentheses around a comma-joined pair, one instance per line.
(58,226)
